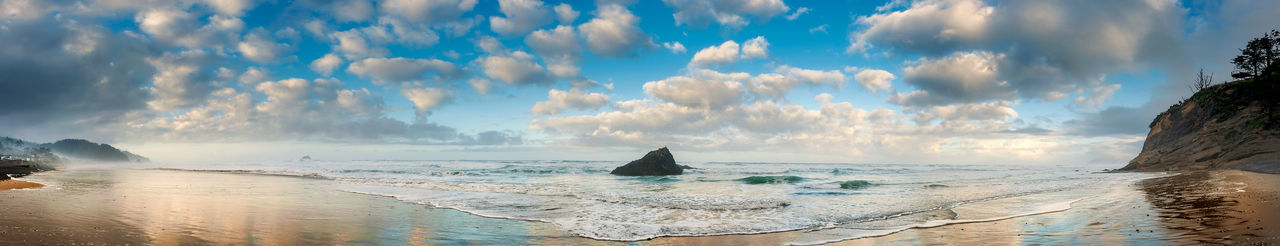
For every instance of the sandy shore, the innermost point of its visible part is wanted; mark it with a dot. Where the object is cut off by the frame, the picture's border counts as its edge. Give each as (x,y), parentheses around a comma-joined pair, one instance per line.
(181,207)
(10,184)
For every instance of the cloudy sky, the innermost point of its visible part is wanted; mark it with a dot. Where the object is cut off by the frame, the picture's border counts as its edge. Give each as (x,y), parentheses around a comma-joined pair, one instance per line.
(931,81)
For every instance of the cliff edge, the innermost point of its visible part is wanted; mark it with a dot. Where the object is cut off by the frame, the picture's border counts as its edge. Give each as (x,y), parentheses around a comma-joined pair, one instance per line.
(1234,125)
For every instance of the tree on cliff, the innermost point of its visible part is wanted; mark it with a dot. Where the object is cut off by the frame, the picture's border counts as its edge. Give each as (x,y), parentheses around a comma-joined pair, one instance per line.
(1258,56)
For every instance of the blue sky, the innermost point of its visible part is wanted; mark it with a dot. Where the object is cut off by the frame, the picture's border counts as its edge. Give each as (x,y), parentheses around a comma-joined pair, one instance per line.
(930,81)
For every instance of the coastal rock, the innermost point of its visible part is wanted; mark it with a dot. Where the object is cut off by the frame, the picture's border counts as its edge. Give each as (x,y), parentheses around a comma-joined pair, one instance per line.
(1226,126)
(655,163)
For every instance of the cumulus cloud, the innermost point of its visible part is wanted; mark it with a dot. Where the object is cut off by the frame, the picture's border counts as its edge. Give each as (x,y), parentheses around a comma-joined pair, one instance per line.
(515,68)
(558,100)
(400,69)
(297,109)
(755,48)
(785,78)
(353,45)
(252,76)
(874,80)
(613,32)
(730,51)
(429,12)
(560,49)
(957,114)
(522,16)
(729,13)
(1097,96)
(326,64)
(425,99)
(565,14)
(352,10)
(674,47)
(1041,49)
(230,7)
(928,26)
(259,47)
(716,54)
(175,26)
(696,92)
(180,80)
(959,78)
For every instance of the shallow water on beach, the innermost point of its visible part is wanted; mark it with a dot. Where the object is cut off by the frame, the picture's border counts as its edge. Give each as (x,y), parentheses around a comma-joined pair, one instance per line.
(581,198)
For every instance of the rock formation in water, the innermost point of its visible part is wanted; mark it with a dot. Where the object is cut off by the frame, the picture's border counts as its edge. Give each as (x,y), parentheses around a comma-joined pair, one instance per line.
(1234,125)
(655,163)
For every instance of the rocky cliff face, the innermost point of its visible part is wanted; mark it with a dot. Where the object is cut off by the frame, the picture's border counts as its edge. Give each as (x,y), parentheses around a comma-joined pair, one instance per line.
(1227,126)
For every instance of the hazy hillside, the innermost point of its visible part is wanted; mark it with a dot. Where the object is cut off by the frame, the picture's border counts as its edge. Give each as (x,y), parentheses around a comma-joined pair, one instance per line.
(68,148)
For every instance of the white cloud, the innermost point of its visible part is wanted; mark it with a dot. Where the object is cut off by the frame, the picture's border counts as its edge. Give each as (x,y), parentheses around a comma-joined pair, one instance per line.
(565,14)
(613,32)
(945,23)
(175,26)
(785,78)
(558,100)
(427,12)
(252,76)
(755,48)
(179,81)
(874,80)
(1097,96)
(352,10)
(326,64)
(1046,48)
(516,68)
(425,99)
(729,13)
(715,55)
(522,16)
(696,92)
(230,7)
(958,78)
(674,47)
(796,15)
(353,45)
(410,33)
(730,51)
(383,70)
(261,48)
(959,113)
(560,49)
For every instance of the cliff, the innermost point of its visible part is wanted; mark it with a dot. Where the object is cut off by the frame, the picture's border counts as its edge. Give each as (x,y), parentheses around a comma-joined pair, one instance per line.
(1234,125)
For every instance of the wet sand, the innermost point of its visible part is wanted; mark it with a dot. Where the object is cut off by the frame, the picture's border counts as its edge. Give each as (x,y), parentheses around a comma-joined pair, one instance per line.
(181,207)
(10,184)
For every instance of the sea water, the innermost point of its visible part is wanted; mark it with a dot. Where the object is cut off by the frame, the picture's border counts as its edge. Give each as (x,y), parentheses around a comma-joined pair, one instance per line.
(831,201)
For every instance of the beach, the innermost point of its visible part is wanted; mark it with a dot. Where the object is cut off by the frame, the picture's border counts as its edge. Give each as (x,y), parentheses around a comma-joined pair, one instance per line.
(128,206)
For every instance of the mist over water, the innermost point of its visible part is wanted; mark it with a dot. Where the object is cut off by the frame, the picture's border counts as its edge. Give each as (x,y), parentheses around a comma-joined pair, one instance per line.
(717,198)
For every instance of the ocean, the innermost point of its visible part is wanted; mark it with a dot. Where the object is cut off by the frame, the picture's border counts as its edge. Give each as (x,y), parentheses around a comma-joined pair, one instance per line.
(830,202)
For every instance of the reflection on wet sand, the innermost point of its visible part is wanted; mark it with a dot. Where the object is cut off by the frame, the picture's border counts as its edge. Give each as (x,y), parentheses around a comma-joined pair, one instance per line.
(186,208)
(1228,207)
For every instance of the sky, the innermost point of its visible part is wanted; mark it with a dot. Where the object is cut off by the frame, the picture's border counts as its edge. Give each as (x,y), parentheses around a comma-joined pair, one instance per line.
(929,81)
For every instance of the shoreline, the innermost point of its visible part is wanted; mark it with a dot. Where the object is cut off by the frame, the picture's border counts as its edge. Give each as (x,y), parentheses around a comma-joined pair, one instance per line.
(217,206)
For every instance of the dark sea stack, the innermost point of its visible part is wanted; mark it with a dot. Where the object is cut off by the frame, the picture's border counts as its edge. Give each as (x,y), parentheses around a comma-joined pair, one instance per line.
(655,163)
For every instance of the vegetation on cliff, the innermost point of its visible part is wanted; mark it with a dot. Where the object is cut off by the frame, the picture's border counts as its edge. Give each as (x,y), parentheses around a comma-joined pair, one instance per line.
(1233,125)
